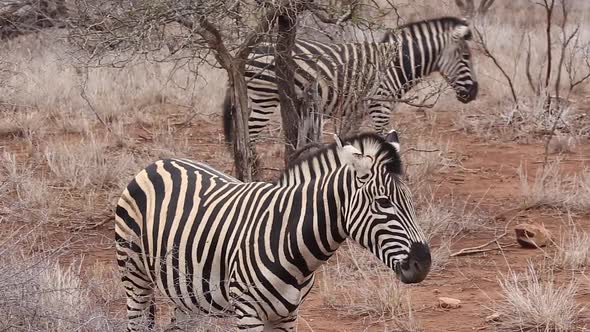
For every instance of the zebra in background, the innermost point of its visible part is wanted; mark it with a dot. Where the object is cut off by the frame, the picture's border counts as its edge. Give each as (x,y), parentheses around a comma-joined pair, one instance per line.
(346,74)
(213,244)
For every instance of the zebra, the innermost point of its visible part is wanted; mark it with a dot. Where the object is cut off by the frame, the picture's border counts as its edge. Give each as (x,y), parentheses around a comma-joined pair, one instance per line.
(345,74)
(213,244)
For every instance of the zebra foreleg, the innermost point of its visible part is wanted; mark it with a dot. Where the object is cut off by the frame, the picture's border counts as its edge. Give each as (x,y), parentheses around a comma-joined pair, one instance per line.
(381,115)
(138,286)
(140,308)
(287,324)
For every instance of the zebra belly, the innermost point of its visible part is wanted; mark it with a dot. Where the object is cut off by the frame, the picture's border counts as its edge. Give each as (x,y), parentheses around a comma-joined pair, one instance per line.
(193,285)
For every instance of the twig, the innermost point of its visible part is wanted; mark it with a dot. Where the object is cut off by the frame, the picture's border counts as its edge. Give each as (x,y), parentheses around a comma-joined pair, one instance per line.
(419,150)
(478,249)
(85,97)
(271,169)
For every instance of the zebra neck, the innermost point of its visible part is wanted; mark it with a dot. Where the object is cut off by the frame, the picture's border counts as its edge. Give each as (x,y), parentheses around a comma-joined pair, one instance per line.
(416,59)
(320,223)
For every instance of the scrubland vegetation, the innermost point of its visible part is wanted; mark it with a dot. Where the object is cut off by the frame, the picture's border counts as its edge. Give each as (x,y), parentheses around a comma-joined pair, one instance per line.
(71,137)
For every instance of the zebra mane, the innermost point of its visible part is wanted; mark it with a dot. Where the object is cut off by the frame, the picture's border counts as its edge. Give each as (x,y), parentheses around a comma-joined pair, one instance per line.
(448,22)
(368,143)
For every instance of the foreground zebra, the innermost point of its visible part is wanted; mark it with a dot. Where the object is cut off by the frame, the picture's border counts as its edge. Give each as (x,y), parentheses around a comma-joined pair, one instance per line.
(346,74)
(213,244)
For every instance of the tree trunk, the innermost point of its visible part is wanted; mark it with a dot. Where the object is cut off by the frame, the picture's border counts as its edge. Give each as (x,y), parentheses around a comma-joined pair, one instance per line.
(242,155)
(285,73)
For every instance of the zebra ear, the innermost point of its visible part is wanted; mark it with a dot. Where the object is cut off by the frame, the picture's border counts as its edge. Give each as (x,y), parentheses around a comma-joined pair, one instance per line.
(393,139)
(462,32)
(354,158)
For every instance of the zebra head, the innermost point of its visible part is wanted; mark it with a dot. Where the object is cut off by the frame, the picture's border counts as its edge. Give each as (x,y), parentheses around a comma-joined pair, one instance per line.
(381,216)
(455,65)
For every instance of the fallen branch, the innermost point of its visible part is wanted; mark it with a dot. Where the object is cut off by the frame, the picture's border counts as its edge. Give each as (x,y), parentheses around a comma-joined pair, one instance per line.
(420,150)
(482,248)
(478,249)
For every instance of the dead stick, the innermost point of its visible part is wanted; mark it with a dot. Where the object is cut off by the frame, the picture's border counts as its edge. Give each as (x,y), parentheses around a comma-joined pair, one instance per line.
(472,250)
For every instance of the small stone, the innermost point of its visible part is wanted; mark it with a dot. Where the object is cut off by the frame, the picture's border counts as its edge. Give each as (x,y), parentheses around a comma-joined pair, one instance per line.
(449,302)
(493,317)
(532,235)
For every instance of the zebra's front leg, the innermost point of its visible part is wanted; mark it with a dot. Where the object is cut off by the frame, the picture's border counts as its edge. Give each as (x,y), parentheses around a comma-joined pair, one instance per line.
(255,324)
(287,324)
(262,109)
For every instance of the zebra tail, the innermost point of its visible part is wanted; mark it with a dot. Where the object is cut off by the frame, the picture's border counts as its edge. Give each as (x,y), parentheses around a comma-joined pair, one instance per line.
(228,119)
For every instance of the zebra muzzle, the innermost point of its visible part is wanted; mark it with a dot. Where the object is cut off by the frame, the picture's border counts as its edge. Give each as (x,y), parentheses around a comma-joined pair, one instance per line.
(415,268)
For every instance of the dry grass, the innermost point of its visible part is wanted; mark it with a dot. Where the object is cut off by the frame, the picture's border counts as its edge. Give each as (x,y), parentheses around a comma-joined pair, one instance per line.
(87,164)
(356,283)
(575,250)
(535,301)
(524,124)
(549,188)
(447,218)
(424,157)
(22,193)
(39,294)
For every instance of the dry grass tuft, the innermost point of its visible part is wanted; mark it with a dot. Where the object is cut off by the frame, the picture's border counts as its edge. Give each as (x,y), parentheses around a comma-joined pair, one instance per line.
(575,250)
(550,188)
(535,301)
(562,144)
(87,164)
(447,218)
(527,123)
(39,294)
(424,158)
(23,191)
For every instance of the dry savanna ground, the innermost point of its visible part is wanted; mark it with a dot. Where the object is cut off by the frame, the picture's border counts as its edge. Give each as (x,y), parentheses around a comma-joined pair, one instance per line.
(70,143)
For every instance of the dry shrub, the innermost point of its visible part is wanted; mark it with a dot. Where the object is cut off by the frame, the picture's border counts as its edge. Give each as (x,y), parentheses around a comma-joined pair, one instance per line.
(575,250)
(536,301)
(524,124)
(549,188)
(87,164)
(28,124)
(39,294)
(354,282)
(46,76)
(23,191)
(562,144)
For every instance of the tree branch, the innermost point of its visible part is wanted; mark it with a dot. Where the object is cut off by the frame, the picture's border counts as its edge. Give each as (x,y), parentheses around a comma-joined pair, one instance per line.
(489,54)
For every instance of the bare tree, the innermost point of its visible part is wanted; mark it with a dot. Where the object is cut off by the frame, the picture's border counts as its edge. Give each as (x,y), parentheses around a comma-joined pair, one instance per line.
(220,33)
(18,17)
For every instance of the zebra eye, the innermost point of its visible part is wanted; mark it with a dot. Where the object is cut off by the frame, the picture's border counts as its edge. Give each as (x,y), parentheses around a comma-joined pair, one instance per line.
(384,202)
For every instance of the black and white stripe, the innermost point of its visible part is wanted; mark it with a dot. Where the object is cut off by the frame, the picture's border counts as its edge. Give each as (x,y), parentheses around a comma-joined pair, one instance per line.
(345,75)
(216,245)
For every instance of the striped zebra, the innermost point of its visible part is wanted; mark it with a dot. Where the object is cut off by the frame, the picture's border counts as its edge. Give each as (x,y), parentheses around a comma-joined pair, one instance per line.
(345,74)
(213,244)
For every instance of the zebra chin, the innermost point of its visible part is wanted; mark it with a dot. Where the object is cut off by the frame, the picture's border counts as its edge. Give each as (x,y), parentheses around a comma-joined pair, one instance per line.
(416,266)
